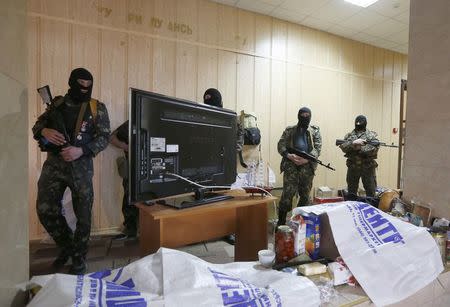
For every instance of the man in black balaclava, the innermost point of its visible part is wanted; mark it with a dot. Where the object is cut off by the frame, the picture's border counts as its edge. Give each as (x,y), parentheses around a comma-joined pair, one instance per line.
(212,97)
(298,172)
(78,127)
(360,158)
(80,91)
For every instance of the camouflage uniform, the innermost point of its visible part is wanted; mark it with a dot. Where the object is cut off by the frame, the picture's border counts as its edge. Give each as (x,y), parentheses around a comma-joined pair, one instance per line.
(297,178)
(361,162)
(58,174)
(130,212)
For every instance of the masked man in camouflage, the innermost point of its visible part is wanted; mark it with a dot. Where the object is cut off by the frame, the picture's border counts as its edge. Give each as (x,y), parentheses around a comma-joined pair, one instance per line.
(74,128)
(212,97)
(298,172)
(360,157)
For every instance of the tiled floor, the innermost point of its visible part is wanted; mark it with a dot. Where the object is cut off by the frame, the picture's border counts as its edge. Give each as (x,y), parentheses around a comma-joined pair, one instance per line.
(105,253)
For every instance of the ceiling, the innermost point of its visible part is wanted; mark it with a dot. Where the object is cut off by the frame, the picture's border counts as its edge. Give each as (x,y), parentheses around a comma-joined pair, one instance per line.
(384,24)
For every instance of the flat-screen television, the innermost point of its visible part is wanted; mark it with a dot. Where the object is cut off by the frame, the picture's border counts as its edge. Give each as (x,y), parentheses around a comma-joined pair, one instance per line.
(175,136)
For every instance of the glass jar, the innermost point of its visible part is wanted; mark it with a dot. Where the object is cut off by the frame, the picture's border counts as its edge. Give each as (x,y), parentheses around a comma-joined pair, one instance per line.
(284,244)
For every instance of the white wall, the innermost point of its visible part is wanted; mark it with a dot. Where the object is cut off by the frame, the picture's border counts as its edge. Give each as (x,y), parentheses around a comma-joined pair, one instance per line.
(427,151)
(14,151)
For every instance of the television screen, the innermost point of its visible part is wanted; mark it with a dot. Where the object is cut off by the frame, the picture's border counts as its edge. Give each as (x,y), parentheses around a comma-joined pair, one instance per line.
(174,136)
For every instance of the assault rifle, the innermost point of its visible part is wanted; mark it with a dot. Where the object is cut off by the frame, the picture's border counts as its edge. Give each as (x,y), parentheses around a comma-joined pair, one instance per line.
(55,121)
(373,143)
(308,157)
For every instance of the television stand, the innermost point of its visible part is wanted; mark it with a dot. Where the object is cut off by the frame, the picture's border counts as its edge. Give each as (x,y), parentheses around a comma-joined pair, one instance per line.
(201,197)
(244,215)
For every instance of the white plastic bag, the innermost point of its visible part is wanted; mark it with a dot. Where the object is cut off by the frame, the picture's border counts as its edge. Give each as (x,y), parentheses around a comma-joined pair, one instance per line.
(67,209)
(173,278)
(391,259)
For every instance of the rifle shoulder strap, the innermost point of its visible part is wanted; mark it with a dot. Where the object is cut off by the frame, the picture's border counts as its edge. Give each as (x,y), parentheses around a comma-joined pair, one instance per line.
(80,119)
(93,105)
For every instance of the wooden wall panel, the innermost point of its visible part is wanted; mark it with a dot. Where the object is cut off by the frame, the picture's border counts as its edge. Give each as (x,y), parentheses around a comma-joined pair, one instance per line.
(245,83)
(227,27)
(140,64)
(277,111)
(263,35)
(54,55)
(207,15)
(262,106)
(187,14)
(164,66)
(186,68)
(226,72)
(113,13)
(166,11)
(114,94)
(207,73)
(58,8)
(140,14)
(259,64)
(246,31)
(87,11)
(279,39)
(294,43)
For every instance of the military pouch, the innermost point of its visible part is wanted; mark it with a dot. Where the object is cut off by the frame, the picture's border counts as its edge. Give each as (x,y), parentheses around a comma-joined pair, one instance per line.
(122,167)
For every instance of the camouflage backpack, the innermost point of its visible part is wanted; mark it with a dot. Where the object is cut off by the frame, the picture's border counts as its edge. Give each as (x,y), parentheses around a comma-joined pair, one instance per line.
(252,135)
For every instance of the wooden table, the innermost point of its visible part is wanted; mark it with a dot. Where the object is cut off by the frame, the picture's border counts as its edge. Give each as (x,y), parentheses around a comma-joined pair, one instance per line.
(244,215)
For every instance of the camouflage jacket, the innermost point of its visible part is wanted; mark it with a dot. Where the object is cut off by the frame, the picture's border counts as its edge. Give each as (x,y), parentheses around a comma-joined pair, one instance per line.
(93,136)
(367,154)
(314,140)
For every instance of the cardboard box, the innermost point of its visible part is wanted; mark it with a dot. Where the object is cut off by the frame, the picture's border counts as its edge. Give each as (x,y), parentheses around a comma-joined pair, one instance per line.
(323,200)
(324,192)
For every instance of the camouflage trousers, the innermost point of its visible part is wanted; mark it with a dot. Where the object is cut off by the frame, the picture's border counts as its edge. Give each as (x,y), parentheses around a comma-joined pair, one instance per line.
(130,212)
(368,178)
(296,179)
(56,176)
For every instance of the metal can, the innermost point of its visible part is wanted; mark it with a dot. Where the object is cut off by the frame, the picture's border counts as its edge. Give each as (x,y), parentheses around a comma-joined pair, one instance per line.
(284,244)
(441,241)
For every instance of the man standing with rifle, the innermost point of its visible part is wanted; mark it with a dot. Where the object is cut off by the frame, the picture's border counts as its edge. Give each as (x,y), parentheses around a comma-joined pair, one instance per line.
(73,129)
(298,171)
(361,147)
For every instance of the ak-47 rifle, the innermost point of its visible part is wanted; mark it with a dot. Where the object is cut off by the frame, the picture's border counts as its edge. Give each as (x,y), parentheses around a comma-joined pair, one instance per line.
(308,157)
(373,143)
(55,121)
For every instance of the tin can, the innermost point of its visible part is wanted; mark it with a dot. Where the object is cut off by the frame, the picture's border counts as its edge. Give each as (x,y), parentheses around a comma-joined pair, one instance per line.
(284,244)
(441,241)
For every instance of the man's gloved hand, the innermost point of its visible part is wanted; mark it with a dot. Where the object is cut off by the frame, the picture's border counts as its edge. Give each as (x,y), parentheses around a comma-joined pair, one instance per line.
(296,159)
(53,136)
(358,143)
(71,153)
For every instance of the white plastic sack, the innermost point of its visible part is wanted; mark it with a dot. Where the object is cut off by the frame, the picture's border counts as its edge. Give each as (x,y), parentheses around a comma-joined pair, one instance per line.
(174,278)
(67,209)
(391,259)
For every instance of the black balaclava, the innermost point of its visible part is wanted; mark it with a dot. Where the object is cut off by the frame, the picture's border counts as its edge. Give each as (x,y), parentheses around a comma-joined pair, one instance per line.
(303,122)
(215,99)
(360,123)
(75,87)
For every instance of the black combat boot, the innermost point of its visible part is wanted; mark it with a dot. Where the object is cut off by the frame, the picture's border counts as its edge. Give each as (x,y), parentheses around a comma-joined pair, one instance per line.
(62,259)
(78,266)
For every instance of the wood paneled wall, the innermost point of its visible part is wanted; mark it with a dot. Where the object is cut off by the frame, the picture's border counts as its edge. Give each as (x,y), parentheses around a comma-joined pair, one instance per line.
(182,47)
